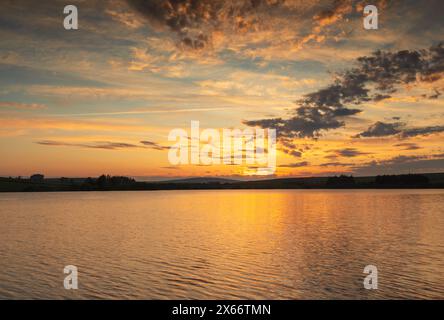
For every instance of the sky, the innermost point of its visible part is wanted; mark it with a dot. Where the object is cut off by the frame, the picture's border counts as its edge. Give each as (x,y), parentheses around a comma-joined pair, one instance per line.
(104,98)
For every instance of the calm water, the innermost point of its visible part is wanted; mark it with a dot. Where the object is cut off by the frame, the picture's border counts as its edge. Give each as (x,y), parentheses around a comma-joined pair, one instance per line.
(223,244)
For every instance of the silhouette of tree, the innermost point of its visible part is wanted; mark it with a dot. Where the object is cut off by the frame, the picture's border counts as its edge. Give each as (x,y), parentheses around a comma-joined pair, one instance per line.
(341,181)
(402,180)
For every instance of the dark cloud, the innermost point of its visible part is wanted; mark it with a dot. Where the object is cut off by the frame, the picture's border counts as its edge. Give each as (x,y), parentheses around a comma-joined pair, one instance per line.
(436,95)
(194,20)
(307,123)
(408,146)
(379,97)
(293,153)
(381,129)
(179,16)
(295,165)
(374,78)
(289,147)
(395,165)
(153,145)
(348,153)
(423,131)
(402,164)
(336,164)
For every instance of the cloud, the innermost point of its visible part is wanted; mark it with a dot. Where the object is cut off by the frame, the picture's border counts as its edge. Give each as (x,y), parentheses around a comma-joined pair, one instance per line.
(107,145)
(48,123)
(184,17)
(240,24)
(337,12)
(374,78)
(402,164)
(22,106)
(195,22)
(200,24)
(423,131)
(293,153)
(336,164)
(140,111)
(348,153)
(395,165)
(408,146)
(120,12)
(147,59)
(307,123)
(436,95)
(295,165)
(153,145)
(289,147)
(381,129)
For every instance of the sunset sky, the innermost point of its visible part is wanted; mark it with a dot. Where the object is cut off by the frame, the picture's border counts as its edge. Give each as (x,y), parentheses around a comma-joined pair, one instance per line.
(103,98)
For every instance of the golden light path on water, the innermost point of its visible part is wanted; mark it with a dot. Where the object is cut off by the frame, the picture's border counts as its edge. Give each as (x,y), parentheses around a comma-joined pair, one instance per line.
(245,244)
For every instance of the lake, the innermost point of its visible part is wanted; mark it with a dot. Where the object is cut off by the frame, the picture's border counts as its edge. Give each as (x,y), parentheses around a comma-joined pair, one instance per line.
(223,244)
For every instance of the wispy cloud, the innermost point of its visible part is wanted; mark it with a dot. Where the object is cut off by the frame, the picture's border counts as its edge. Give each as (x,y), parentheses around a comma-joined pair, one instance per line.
(408,146)
(348,153)
(49,123)
(107,145)
(336,164)
(22,106)
(397,164)
(135,112)
(295,164)
(403,164)
(153,145)
(381,129)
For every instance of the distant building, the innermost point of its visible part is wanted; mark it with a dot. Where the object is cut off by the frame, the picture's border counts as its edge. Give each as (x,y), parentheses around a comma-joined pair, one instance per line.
(37,177)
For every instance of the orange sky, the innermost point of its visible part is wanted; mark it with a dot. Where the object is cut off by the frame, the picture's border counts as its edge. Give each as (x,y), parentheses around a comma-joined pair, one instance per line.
(81,102)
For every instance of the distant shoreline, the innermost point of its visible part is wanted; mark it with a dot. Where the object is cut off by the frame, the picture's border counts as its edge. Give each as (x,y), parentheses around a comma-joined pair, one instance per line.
(108,183)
